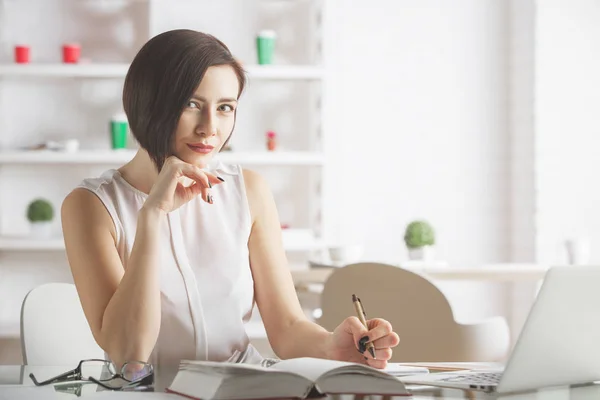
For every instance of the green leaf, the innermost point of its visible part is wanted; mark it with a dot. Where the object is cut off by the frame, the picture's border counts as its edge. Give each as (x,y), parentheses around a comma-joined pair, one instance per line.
(418,234)
(40,210)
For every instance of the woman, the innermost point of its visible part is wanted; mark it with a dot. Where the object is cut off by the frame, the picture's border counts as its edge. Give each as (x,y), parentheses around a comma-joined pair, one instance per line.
(170,251)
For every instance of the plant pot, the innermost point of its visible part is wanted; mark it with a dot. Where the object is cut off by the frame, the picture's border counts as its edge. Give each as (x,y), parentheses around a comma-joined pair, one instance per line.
(41,230)
(425,253)
(345,254)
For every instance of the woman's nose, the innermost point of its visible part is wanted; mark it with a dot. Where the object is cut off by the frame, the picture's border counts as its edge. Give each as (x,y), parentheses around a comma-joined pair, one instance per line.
(207,131)
(207,126)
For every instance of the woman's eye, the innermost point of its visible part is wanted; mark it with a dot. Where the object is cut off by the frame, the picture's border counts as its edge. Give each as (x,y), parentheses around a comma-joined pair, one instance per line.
(226,107)
(192,104)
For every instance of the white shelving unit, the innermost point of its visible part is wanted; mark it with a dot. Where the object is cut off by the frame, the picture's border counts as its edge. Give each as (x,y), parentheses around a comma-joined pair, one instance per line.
(311,69)
(267,72)
(302,74)
(295,240)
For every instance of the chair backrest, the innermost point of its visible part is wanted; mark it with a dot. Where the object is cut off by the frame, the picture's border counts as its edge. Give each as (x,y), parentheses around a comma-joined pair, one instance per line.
(417,309)
(54,330)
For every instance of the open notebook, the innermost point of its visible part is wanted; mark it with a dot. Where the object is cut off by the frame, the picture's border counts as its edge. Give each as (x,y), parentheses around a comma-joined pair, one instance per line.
(294,378)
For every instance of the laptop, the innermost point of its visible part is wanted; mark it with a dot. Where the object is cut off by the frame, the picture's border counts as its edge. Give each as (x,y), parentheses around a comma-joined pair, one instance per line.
(559,344)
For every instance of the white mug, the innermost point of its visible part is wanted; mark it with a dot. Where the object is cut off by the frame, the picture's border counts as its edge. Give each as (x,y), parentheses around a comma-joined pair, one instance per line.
(341,254)
(578,251)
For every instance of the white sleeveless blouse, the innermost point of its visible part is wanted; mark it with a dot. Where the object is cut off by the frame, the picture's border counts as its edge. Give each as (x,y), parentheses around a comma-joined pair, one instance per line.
(207,290)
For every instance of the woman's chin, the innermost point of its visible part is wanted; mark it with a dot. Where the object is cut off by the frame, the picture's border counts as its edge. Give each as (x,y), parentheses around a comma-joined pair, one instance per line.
(199,160)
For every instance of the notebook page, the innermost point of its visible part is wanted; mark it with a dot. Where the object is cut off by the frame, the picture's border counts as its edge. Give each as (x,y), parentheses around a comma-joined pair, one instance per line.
(397,369)
(310,368)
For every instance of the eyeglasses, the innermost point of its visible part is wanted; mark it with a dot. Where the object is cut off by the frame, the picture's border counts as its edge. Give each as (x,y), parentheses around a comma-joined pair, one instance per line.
(104,373)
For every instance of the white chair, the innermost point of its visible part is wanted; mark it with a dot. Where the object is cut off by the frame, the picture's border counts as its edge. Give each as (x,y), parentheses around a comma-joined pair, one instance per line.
(54,330)
(418,311)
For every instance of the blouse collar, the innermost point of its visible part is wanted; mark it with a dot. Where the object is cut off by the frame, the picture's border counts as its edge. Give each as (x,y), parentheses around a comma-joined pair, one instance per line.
(217,165)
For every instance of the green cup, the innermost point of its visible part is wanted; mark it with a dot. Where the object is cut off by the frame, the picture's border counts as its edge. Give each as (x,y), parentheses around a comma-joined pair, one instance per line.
(119,131)
(265,46)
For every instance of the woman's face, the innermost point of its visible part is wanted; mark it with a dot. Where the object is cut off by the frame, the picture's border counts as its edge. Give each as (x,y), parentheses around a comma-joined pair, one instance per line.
(208,118)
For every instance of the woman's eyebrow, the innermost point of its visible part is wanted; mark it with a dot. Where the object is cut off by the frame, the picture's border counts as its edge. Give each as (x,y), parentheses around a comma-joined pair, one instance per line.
(222,100)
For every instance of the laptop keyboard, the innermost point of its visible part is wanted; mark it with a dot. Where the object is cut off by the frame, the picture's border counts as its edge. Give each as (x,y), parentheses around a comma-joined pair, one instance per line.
(479,378)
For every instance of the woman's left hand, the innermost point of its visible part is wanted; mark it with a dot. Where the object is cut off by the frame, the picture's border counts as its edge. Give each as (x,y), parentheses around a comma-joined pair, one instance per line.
(351,336)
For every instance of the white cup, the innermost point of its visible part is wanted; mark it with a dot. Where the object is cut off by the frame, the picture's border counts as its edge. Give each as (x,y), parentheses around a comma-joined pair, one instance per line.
(345,253)
(71,145)
(578,251)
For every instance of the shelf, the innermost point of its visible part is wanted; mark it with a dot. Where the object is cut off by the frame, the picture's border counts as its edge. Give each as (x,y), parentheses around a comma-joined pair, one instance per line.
(65,70)
(273,158)
(61,157)
(285,72)
(291,72)
(31,244)
(123,156)
(293,240)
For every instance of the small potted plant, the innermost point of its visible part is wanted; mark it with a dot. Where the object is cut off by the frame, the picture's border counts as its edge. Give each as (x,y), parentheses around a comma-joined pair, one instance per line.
(419,238)
(40,214)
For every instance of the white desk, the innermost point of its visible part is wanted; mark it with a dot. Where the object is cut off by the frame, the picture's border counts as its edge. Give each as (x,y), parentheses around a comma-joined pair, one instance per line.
(13,375)
(484,273)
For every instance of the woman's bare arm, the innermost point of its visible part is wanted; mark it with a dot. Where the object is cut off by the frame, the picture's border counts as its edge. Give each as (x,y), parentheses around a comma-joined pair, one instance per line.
(122,306)
(290,333)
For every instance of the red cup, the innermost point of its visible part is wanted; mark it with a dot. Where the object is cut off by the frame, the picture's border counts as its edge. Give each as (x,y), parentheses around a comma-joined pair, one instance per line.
(22,54)
(71,53)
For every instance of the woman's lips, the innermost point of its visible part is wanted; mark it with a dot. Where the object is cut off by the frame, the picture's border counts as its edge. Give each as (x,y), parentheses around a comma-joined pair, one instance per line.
(201,148)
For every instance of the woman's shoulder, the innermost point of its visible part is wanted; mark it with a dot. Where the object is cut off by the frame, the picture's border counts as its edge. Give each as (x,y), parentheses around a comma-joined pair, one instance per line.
(84,204)
(96,183)
(84,209)
(88,196)
(258,193)
(254,181)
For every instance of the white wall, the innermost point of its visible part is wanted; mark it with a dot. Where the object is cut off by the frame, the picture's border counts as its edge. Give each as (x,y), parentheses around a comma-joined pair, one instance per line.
(420,121)
(418,102)
(567,100)
(521,65)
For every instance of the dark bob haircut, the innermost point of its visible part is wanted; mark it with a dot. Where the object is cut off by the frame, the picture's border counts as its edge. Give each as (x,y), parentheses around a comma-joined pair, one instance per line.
(162,78)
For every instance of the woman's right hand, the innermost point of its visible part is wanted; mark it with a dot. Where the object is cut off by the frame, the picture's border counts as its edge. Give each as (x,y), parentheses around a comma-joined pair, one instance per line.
(168,192)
